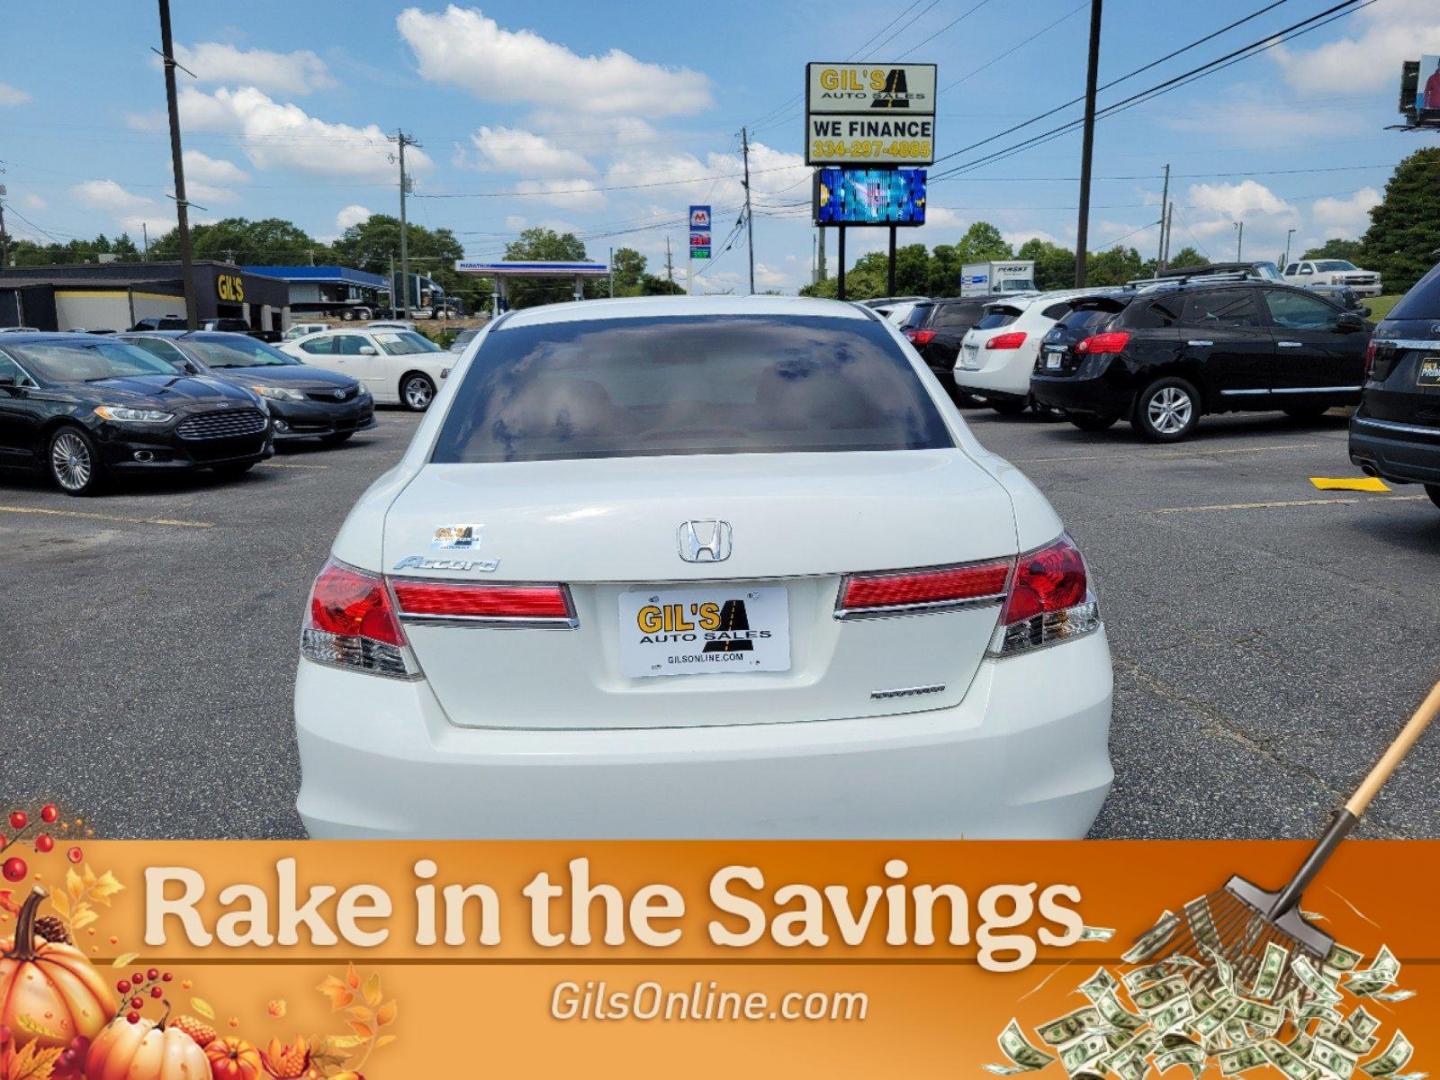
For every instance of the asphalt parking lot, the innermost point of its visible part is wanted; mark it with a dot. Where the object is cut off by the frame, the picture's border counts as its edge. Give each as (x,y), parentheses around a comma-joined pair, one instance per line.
(1269,638)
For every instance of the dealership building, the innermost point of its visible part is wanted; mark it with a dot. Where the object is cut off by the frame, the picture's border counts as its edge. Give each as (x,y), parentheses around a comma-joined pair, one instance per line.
(115,296)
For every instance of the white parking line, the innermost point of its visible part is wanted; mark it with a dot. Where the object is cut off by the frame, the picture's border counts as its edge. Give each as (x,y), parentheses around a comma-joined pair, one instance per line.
(175,522)
(1289,502)
(289,465)
(1197,452)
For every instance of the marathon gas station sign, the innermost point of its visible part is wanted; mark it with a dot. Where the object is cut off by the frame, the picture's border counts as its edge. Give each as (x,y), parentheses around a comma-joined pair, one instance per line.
(869,114)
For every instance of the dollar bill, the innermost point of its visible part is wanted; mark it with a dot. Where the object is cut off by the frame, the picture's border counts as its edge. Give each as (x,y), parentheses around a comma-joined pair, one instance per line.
(1193,1057)
(1097,933)
(1240,1059)
(1069,1027)
(1333,1059)
(1202,923)
(1361,1022)
(1272,966)
(1223,971)
(1162,993)
(1319,987)
(1153,940)
(1116,1015)
(1302,1044)
(1287,1061)
(1396,1056)
(1213,1019)
(1380,975)
(1148,973)
(1023,1056)
(1102,982)
(1173,1015)
(1268,1017)
(1391,996)
(1342,959)
(1346,1038)
(1083,1052)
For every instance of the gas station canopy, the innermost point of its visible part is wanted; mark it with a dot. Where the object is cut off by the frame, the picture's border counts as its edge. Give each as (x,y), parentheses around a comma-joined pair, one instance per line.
(504,269)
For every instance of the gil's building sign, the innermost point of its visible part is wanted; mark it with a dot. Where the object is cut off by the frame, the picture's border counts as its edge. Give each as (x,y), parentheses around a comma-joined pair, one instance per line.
(869,114)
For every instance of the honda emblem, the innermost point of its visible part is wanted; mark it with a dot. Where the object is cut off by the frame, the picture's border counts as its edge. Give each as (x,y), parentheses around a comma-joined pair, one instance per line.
(705,541)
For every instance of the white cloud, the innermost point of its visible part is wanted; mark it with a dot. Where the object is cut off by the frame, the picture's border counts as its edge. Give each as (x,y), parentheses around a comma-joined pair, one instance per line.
(1254,124)
(1017,237)
(1238,200)
(33,201)
(613,131)
(777,177)
(517,151)
(354,214)
(283,73)
(464,48)
(572,194)
(1345,217)
(769,277)
(514,222)
(208,170)
(1369,58)
(108,195)
(12,95)
(285,136)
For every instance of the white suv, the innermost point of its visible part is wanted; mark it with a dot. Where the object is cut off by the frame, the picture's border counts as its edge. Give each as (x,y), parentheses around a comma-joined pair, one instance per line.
(997,356)
(1333,272)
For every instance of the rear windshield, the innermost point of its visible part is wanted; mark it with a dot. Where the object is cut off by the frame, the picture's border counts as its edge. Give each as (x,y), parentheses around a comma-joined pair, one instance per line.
(404,342)
(1085,320)
(917,317)
(704,385)
(238,352)
(1422,301)
(996,317)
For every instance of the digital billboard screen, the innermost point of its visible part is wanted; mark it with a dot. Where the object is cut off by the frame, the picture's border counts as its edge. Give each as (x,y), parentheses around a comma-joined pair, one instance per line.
(869,196)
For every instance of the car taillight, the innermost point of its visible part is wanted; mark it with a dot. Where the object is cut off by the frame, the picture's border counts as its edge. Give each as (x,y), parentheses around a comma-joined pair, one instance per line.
(350,622)
(1006,341)
(1113,341)
(1369,360)
(862,594)
(920,337)
(440,600)
(1049,600)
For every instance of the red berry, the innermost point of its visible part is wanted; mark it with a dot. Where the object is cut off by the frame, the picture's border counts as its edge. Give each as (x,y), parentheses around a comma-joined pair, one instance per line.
(157,993)
(15,869)
(123,986)
(50,813)
(44,844)
(133,1017)
(166,977)
(137,1003)
(152,974)
(138,978)
(19,819)
(75,854)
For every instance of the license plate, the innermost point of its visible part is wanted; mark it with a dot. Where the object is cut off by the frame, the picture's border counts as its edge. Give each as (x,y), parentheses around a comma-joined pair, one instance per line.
(1429,374)
(969,356)
(1053,359)
(704,631)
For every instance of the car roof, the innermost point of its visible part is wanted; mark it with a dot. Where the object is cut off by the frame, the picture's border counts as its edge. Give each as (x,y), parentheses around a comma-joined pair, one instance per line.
(648,307)
(47,337)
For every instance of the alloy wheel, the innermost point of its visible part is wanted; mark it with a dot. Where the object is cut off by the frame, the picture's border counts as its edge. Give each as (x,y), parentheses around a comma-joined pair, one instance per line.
(1169,410)
(70,461)
(419,393)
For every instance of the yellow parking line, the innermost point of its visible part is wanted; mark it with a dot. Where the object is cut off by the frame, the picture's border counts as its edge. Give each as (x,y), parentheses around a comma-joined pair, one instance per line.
(1288,502)
(178,523)
(1197,452)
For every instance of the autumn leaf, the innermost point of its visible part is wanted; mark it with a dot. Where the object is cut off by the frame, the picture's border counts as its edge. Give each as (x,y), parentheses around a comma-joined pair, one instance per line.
(386,1013)
(35,1027)
(277,1008)
(83,917)
(203,1007)
(88,876)
(384,1040)
(105,888)
(124,959)
(365,1031)
(352,977)
(33,1063)
(372,990)
(339,994)
(73,884)
(344,1042)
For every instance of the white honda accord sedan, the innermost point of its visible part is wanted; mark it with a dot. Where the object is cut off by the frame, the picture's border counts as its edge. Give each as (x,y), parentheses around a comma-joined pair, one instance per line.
(713,567)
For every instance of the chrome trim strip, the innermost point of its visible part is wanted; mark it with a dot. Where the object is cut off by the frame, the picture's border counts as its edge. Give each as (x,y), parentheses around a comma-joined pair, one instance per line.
(1200,343)
(494,622)
(907,691)
(1317,390)
(1237,393)
(1409,343)
(927,608)
(1390,425)
(1291,344)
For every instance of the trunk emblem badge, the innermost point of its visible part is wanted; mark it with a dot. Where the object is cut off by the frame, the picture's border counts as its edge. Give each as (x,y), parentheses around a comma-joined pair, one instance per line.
(705,541)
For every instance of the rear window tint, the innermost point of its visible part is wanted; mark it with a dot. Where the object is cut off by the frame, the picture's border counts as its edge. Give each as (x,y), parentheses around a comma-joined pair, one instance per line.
(919,315)
(1422,301)
(995,318)
(1087,319)
(956,315)
(1158,313)
(707,385)
(1235,307)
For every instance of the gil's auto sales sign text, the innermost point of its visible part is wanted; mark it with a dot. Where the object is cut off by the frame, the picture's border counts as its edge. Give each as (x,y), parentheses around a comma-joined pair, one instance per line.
(869,114)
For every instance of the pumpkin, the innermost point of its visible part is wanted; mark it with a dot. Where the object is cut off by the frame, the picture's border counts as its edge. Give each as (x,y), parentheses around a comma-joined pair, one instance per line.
(145,1051)
(233,1059)
(49,993)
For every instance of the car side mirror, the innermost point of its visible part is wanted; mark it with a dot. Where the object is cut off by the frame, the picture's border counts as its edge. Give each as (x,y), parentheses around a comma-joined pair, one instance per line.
(1349,323)
(368,350)
(9,382)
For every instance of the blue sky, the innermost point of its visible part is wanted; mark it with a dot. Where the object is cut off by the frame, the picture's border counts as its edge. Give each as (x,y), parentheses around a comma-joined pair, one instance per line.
(608,119)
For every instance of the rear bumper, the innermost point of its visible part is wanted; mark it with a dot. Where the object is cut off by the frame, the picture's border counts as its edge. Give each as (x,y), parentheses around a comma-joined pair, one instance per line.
(1024,755)
(1402,453)
(998,380)
(1101,396)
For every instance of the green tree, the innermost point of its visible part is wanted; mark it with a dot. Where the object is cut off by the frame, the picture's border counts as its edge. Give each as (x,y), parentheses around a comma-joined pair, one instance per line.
(371,244)
(1054,265)
(1337,248)
(627,268)
(1114,267)
(268,242)
(539,244)
(982,242)
(1188,256)
(1404,229)
(943,278)
(651,285)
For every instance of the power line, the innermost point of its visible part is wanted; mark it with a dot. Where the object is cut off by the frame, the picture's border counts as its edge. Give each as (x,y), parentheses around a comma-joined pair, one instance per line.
(943,29)
(1019,45)
(594,190)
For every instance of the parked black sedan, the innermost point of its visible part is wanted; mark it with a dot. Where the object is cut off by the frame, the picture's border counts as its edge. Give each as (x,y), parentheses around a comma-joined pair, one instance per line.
(305,402)
(83,408)
(1164,355)
(1395,434)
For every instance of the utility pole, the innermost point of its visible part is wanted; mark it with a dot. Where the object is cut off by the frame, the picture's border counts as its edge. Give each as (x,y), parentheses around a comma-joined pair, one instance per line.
(821,231)
(611,264)
(669,266)
(749,217)
(4,236)
(1239,238)
(1164,204)
(403,141)
(1169,225)
(144,242)
(1087,151)
(182,205)
(392,288)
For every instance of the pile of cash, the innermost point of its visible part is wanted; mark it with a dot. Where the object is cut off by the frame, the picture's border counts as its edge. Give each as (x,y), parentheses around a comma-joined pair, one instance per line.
(1196,1011)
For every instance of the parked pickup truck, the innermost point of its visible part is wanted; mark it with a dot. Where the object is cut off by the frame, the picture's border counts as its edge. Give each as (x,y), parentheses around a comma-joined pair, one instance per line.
(1308,272)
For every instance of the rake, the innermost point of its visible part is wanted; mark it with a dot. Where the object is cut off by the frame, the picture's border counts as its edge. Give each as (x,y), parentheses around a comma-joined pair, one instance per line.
(1240,920)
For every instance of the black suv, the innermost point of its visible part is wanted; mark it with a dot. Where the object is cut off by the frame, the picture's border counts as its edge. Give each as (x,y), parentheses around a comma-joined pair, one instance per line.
(1395,434)
(1162,356)
(935,328)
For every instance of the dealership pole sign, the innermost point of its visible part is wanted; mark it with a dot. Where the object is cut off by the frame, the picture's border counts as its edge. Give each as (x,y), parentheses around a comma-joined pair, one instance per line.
(869,114)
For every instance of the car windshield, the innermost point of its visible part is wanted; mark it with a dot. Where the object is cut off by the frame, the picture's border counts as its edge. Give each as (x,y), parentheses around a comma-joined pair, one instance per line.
(1423,299)
(85,361)
(1334,264)
(696,385)
(1267,270)
(405,342)
(239,352)
(998,316)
